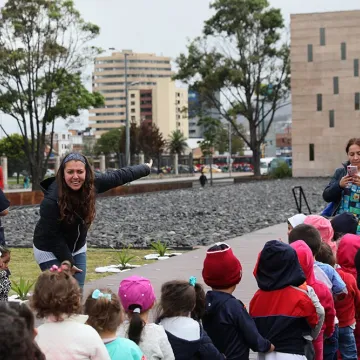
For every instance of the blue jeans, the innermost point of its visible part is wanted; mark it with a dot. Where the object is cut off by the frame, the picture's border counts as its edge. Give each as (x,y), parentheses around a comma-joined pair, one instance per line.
(331,345)
(347,344)
(79,261)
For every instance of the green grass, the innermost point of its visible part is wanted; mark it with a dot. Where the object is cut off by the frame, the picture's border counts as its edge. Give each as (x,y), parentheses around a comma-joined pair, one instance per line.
(22,262)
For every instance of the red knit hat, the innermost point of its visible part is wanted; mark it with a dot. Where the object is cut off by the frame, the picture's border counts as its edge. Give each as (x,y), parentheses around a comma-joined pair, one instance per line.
(222,269)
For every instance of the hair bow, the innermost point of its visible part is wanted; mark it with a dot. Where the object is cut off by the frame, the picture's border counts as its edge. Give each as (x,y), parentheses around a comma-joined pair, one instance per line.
(192,281)
(98,294)
(55,268)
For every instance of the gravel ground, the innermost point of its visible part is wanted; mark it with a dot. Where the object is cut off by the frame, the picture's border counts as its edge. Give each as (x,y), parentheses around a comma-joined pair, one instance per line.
(182,217)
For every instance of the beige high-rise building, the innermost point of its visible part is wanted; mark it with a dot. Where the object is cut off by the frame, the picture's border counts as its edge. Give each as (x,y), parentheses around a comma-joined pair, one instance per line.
(152,95)
(325,86)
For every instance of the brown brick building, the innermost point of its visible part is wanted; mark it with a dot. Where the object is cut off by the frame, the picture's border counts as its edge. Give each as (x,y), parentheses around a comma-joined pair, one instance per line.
(325,53)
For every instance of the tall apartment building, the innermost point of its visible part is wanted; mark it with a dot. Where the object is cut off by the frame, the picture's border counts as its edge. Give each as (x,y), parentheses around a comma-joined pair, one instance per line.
(152,95)
(325,85)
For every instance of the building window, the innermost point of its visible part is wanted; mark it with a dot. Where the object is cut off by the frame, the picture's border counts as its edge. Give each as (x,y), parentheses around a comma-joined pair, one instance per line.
(319,102)
(332,118)
(132,110)
(310,53)
(322,36)
(132,96)
(133,103)
(356,67)
(357,101)
(133,118)
(311,152)
(336,85)
(343,51)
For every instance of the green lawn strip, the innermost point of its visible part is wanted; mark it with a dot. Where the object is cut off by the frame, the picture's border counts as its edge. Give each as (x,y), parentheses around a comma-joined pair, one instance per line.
(22,262)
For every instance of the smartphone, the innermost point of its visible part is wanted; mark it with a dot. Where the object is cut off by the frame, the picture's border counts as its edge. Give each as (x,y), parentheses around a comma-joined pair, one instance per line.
(352,170)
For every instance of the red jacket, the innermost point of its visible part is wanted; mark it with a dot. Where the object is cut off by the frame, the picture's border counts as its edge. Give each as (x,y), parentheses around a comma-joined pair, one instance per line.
(345,309)
(306,260)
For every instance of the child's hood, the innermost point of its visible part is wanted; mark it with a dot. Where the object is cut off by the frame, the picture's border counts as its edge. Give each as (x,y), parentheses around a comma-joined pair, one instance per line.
(215,300)
(348,247)
(278,267)
(306,260)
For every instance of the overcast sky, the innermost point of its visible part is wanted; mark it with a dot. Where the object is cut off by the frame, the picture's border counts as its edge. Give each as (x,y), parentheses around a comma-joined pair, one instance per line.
(163,26)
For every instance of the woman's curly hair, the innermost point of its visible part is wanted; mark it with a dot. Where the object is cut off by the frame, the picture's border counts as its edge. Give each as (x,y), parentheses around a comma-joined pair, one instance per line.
(104,315)
(56,294)
(81,202)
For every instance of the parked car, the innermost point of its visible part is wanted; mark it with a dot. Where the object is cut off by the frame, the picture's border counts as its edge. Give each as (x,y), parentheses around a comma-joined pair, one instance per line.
(214,169)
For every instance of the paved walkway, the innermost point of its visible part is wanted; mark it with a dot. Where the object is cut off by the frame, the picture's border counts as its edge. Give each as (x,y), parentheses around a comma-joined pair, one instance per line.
(245,247)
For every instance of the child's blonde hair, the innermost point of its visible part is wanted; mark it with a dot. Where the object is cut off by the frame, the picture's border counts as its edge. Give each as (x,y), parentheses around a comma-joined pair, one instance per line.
(104,310)
(56,293)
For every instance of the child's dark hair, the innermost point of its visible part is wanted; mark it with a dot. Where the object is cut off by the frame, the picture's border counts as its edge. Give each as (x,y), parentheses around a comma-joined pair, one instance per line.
(180,298)
(56,293)
(4,250)
(326,255)
(136,325)
(25,313)
(16,340)
(309,234)
(218,247)
(104,314)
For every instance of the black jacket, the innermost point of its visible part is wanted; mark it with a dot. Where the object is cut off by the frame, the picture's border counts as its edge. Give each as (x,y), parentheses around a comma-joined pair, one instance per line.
(197,349)
(62,238)
(231,328)
(333,192)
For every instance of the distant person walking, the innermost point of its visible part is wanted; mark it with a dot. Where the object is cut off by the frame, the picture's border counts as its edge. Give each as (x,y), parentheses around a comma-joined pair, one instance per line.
(4,210)
(203,179)
(68,210)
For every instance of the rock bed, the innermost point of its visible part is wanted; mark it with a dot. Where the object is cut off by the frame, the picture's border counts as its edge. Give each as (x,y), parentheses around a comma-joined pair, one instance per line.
(182,217)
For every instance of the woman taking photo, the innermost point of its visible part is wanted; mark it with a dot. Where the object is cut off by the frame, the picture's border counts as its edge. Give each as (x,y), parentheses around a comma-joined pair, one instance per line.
(343,190)
(68,210)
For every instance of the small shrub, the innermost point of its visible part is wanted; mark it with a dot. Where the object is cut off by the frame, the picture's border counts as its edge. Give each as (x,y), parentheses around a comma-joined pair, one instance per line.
(159,247)
(124,257)
(22,288)
(281,171)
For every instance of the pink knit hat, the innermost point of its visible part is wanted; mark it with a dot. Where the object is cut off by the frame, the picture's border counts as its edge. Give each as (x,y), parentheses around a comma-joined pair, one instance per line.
(324,227)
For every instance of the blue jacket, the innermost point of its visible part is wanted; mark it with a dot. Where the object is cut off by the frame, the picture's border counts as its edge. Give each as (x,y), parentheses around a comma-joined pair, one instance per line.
(333,192)
(197,349)
(231,328)
(338,285)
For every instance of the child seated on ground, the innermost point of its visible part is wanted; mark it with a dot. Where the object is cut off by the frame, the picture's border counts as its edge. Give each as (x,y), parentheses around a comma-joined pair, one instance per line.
(5,283)
(346,307)
(105,316)
(282,310)
(306,260)
(295,221)
(348,248)
(187,337)
(64,335)
(17,342)
(226,320)
(137,297)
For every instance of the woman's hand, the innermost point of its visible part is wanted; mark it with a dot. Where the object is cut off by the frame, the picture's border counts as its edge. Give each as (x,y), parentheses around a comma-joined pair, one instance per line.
(355,180)
(149,164)
(345,181)
(75,270)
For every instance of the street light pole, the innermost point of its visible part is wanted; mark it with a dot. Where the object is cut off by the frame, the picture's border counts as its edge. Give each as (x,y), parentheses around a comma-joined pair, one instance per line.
(230,146)
(127,122)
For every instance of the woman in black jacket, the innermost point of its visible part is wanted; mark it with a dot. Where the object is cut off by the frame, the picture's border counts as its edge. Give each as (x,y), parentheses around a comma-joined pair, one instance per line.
(68,210)
(344,187)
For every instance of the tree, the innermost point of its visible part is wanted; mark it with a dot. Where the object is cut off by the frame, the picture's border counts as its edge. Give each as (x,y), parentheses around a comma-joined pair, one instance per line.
(211,133)
(152,141)
(250,68)
(13,148)
(177,143)
(222,141)
(110,143)
(43,51)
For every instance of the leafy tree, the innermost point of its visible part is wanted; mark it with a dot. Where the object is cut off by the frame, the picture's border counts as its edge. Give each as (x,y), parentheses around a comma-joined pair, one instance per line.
(43,50)
(250,69)
(13,148)
(177,143)
(110,143)
(152,141)
(222,141)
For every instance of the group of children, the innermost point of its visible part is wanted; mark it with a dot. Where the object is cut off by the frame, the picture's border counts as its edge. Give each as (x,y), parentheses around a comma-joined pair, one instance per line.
(306,307)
